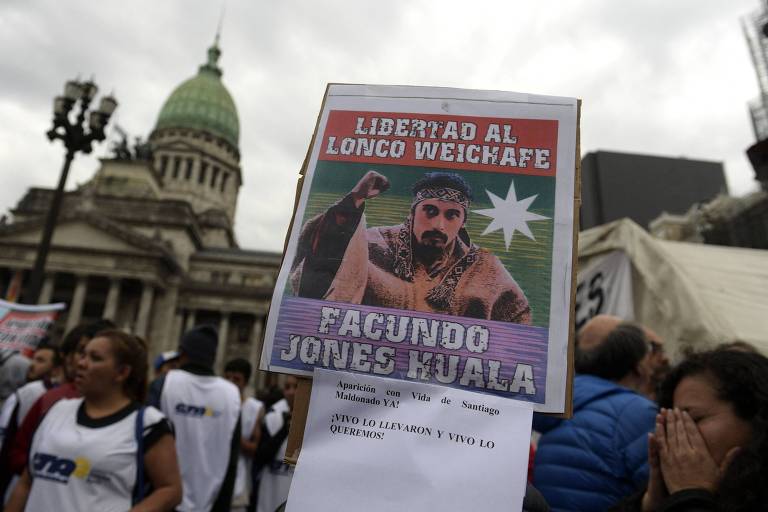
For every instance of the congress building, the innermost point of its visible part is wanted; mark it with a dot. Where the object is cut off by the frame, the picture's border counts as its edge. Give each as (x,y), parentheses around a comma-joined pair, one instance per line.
(149,240)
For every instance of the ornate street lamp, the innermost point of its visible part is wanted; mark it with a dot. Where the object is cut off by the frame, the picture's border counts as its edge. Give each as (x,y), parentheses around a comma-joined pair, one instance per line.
(76,137)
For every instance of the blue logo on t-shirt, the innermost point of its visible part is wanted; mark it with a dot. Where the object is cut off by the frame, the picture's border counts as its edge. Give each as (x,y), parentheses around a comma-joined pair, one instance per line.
(59,469)
(196,411)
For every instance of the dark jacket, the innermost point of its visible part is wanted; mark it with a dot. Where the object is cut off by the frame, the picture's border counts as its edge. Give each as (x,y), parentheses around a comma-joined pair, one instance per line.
(534,501)
(599,456)
(687,500)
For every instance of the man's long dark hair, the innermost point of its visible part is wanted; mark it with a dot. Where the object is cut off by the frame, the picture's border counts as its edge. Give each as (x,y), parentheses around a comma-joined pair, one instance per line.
(741,379)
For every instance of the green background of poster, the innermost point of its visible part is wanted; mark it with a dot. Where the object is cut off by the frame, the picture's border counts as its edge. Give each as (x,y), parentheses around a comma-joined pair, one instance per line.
(528,261)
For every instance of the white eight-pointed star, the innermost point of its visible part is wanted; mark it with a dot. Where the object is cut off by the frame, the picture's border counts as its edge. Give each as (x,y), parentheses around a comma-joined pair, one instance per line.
(510,215)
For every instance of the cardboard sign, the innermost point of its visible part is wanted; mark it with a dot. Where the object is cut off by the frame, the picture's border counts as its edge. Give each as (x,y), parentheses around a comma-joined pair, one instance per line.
(433,241)
(384,445)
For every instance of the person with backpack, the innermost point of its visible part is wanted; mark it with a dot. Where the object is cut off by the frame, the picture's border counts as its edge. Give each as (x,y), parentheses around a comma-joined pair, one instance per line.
(205,413)
(15,460)
(275,474)
(238,372)
(103,451)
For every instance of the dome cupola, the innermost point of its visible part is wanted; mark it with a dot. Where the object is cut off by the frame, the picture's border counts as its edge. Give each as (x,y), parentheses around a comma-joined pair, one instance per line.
(203,103)
(195,144)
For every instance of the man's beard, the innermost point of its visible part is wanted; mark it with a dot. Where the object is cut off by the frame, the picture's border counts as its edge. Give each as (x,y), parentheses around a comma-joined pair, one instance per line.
(427,251)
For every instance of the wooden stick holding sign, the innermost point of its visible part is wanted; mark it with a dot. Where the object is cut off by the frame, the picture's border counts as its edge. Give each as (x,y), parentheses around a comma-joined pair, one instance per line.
(298,421)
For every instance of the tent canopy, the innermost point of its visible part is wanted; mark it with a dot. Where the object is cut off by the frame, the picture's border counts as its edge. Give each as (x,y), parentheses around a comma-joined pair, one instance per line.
(693,295)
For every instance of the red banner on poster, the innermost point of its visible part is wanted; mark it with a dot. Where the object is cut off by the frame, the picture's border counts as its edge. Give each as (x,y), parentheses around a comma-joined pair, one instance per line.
(22,327)
(518,146)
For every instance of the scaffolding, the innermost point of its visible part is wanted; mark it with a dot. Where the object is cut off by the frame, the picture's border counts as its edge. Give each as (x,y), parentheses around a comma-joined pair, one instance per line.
(755,27)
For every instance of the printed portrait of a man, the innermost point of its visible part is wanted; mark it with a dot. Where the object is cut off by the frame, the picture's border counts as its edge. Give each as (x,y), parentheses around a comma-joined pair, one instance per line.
(428,263)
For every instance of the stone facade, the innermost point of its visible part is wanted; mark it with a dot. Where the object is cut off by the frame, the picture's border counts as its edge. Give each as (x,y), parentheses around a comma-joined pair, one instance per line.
(149,242)
(731,221)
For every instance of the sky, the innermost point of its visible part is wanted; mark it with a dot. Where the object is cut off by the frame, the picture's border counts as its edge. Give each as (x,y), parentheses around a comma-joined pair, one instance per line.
(656,77)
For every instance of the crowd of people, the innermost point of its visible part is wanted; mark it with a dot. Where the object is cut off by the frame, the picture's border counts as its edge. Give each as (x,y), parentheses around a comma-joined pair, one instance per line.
(86,430)
(647,437)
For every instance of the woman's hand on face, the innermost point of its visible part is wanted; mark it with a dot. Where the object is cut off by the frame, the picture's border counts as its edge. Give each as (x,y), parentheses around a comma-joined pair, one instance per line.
(683,455)
(657,490)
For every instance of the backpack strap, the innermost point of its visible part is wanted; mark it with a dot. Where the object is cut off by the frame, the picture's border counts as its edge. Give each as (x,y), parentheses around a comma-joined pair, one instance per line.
(138,490)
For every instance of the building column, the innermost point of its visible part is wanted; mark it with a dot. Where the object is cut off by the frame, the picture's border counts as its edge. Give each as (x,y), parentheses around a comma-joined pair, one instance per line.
(162,334)
(172,343)
(145,307)
(190,320)
(196,164)
(113,297)
(256,344)
(78,299)
(47,292)
(13,291)
(221,350)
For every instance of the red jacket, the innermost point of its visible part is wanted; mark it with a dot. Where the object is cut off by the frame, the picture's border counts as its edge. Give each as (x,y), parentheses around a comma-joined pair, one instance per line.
(22,442)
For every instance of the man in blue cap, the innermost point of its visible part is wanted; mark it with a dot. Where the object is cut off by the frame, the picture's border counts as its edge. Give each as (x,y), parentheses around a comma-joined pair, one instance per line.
(165,362)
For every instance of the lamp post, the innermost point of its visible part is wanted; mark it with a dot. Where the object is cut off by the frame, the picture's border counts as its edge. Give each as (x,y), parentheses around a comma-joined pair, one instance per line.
(76,137)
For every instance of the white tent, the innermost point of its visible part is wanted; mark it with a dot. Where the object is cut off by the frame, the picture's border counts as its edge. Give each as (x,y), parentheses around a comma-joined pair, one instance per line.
(693,295)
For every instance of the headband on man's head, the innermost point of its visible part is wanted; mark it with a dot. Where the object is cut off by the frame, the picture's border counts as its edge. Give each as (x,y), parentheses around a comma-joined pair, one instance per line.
(442,194)
(444,186)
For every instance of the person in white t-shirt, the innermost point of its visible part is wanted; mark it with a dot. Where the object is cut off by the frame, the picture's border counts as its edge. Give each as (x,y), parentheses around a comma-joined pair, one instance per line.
(13,372)
(44,373)
(205,413)
(238,372)
(104,450)
(276,475)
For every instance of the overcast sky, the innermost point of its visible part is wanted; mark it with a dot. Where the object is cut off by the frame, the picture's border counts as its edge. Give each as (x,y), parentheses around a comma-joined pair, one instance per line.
(660,77)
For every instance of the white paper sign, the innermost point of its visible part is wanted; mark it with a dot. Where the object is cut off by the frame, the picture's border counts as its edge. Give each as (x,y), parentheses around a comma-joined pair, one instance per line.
(380,445)
(605,288)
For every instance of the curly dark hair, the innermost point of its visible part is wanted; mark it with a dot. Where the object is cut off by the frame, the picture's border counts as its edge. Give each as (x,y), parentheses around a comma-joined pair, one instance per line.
(241,366)
(741,379)
(72,339)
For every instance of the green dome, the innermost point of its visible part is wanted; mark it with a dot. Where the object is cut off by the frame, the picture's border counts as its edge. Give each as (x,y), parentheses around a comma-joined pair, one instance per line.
(203,103)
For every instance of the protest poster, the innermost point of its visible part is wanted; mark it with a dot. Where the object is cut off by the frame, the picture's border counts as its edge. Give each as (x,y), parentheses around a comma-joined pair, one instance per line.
(433,241)
(402,445)
(605,287)
(22,326)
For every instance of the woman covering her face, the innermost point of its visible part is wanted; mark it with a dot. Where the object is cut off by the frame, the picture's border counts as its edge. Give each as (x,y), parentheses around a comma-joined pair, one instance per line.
(710,447)
(103,451)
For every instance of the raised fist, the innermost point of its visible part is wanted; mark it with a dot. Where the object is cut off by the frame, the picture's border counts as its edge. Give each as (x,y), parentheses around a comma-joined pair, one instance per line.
(369,186)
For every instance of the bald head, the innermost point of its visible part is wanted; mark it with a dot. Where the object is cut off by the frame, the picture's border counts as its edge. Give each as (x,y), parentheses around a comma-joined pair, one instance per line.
(596,330)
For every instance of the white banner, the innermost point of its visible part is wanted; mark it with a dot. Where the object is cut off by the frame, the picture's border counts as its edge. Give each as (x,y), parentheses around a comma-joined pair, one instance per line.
(605,287)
